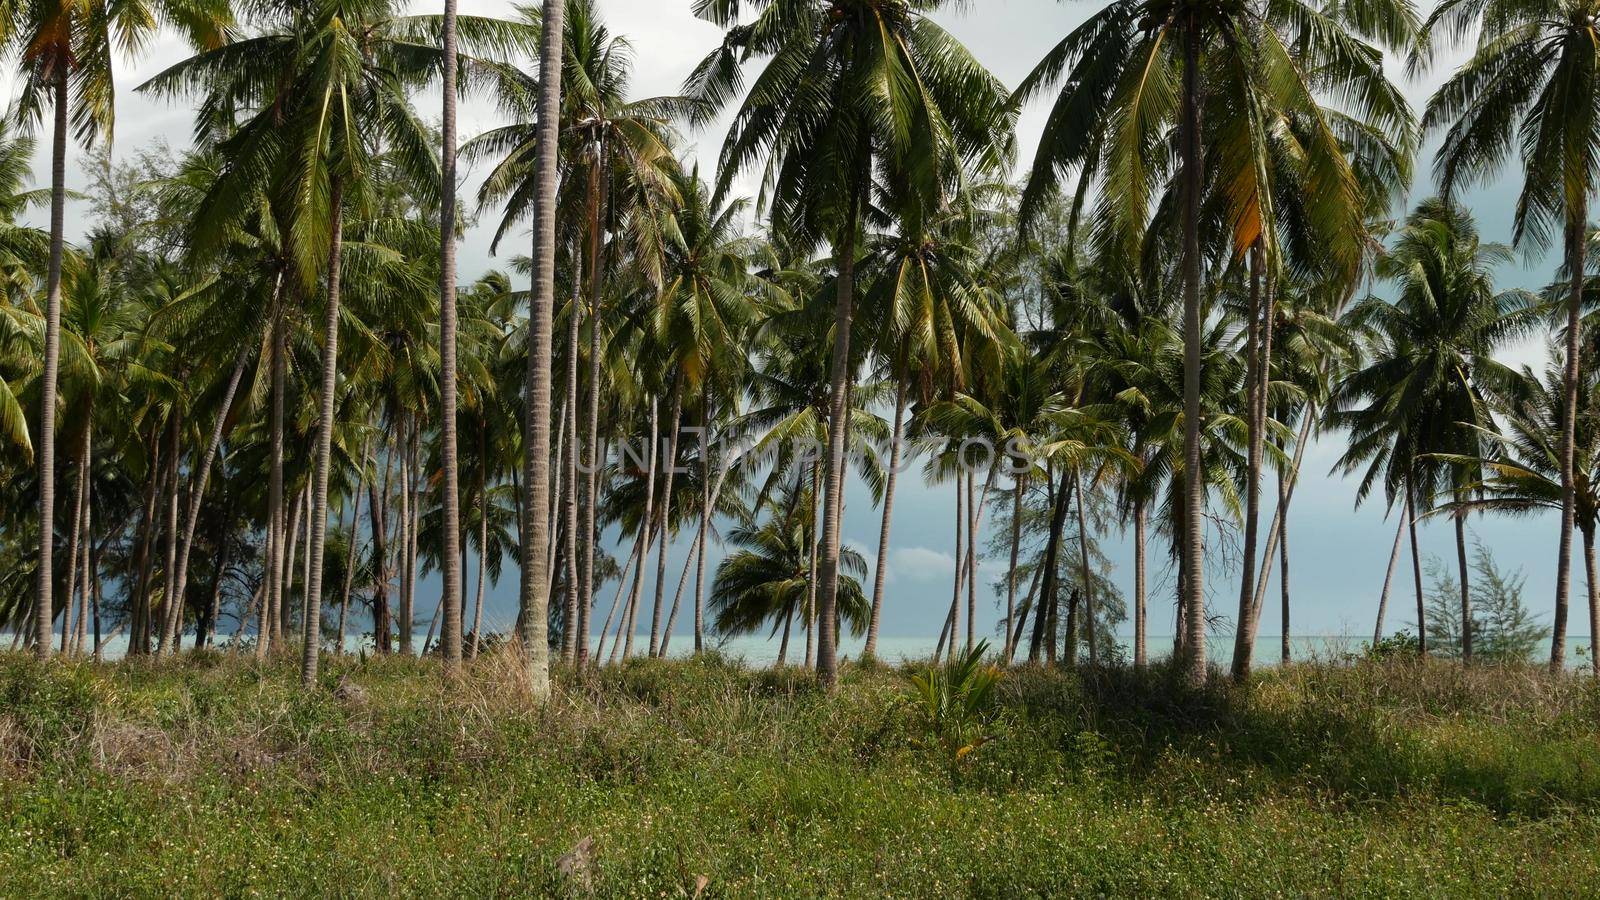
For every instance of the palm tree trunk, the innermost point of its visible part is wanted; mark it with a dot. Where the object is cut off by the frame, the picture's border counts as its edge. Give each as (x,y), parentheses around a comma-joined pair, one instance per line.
(1083,564)
(1388,577)
(1194,665)
(224,553)
(591,497)
(707,499)
(73,542)
(275,511)
(558,471)
(535,596)
(94,581)
(1011,571)
(839,383)
(646,534)
(202,477)
(483,565)
(90,560)
(1244,635)
(813,565)
(881,567)
(280,614)
(952,619)
(172,613)
(1279,515)
(1044,624)
(1022,613)
(139,600)
(1594,600)
(1466,595)
(330,385)
(783,644)
(616,604)
(1141,614)
(407,526)
(1416,569)
(972,566)
(378,522)
(670,469)
(571,635)
(449,451)
(43,610)
(1577,225)
(1283,578)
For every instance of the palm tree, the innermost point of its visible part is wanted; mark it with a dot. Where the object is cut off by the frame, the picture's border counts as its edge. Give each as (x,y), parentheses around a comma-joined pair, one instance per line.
(535,589)
(1522,464)
(767,580)
(1532,81)
(1431,376)
(62,45)
(315,100)
(852,89)
(1135,95)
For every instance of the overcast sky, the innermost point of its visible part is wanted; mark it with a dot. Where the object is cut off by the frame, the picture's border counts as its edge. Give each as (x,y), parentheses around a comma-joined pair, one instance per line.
(1339,554)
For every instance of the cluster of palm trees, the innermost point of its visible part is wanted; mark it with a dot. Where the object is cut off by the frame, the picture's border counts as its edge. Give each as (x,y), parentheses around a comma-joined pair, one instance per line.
(270,395)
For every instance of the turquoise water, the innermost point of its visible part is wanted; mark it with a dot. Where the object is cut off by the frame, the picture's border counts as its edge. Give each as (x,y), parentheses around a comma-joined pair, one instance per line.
(760,651)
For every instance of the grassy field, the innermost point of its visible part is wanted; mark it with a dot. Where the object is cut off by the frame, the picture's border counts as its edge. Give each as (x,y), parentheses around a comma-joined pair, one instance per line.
(219,777)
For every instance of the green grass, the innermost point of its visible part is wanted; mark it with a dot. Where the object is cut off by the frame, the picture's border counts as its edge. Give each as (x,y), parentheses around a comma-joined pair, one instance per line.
(216,776)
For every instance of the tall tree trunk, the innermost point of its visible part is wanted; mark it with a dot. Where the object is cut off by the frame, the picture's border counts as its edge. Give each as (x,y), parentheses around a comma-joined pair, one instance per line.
(646,533)
(670,469)
(91,565)
(591,474)
(145,536)
(1416,568)
(324,460)
(74,533)
(783,643)
(1043,631)
(1083,564)
(172,612)
(881,566)
(1017,489)
(1466,594)
(1194,665)
(575,616)
(535,596)
(1577,225)
(378,521)
(350,549)
(972,566)
(813,565)
(1022,613)
(94,582)
(1388,577)
(1279,522)
(449,451)
(1141,612)
(1244,634)
(952,619)
(707,498)
(408,521)
(616,606)
(275,511)
(43,609)
(280,616)
(839,385)
(1283,577)
(224,554)
(483,565)
(1594,600)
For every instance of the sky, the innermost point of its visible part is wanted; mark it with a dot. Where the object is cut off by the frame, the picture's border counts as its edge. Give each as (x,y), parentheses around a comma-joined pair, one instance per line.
(1339,553)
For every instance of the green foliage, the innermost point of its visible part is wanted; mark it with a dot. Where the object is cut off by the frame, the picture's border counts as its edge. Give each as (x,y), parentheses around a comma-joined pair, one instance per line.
(957,703)
(1502,626)
(218,776)
(1400,644)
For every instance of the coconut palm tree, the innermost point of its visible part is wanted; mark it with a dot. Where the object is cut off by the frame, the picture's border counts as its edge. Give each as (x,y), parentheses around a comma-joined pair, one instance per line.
(1533,81)
(1150,79)
(852,90)
(1522,462)
(1427,388)
(66,51)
